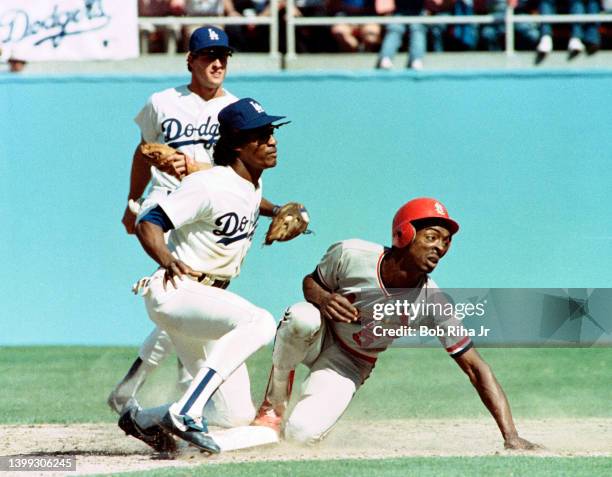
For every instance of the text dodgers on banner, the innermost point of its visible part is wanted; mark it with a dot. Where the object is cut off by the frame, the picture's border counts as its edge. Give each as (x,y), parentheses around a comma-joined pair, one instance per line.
(52,30)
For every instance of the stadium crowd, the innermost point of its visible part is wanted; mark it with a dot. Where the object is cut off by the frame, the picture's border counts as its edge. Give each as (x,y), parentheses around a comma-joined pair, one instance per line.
(417,39)
(387,41)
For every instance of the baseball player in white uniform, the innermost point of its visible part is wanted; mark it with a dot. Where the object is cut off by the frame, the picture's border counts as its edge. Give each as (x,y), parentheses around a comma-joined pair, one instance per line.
(185,118)
(212,217)
(327,332)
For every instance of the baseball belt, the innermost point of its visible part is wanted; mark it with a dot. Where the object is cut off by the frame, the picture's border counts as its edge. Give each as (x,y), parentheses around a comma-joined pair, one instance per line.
(211,281)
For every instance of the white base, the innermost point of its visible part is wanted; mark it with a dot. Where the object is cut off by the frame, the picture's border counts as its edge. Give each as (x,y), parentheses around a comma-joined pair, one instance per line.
(244,437)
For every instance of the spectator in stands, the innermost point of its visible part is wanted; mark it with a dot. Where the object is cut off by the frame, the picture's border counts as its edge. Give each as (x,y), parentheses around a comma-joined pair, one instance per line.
(466,35)
(583,36)
(156,36)
(417,44)
(202,8)
(308,39)
(314,39)
(15,56)
(492,36)
(350,37)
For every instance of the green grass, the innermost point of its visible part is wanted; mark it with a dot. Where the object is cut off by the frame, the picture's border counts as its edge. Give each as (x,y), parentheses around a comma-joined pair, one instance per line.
(417,466)
(70,384)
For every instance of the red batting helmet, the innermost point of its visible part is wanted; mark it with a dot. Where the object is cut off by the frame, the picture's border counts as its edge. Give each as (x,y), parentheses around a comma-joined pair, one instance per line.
(417,209)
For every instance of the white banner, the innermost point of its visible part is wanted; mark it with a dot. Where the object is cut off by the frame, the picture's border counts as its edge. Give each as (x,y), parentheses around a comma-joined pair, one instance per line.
(54,30)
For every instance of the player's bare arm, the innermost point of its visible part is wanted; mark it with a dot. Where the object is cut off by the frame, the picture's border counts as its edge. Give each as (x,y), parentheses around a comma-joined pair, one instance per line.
(151,237)
(266,208)
(332,306)
(139,178)
(493,397)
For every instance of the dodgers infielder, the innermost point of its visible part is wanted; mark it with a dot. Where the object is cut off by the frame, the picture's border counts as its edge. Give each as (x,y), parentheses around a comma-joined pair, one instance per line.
(185,118)
(326,334)
(212,216)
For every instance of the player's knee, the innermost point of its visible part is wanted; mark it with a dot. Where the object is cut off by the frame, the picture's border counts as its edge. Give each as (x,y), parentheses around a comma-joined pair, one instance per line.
(265,326)
(302,432)
(302,320)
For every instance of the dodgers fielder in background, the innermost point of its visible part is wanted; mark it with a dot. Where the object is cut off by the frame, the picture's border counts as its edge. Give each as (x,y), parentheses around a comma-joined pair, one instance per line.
(185,118)
(326,332)
(212,217)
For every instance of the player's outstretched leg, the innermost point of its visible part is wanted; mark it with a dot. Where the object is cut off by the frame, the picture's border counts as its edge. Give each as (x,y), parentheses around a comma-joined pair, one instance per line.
(298,340)
(152,352)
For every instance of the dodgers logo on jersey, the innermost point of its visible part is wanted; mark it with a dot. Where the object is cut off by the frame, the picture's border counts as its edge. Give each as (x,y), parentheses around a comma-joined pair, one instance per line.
(177,134)
(234,228)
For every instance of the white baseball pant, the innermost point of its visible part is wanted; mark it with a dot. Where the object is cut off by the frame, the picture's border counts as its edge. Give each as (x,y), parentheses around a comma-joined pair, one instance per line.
(230,405)
(334,377)
(213,328)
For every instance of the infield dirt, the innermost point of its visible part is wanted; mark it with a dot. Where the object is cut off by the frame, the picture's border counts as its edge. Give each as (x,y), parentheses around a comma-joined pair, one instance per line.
(103,448)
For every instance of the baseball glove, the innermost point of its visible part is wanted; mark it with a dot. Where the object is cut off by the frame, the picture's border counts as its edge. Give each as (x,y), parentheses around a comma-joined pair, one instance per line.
(290,221)
(159,155)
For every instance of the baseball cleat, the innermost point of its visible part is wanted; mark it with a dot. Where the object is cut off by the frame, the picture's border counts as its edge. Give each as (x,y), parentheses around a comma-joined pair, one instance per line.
(268,417)
(154,436)
(187,429)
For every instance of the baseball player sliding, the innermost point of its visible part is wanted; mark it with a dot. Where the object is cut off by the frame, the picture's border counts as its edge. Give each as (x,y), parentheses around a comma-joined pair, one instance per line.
(211,217)
(184,118)
(326,334)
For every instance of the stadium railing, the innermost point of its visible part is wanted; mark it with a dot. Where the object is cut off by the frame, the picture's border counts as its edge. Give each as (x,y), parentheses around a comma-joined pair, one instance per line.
(174,24)
(509,18)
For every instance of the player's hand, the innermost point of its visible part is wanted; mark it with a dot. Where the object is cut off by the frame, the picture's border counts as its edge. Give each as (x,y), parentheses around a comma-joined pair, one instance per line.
(176,165)
(337,308)
(175,269)
(518,443)
(129,221)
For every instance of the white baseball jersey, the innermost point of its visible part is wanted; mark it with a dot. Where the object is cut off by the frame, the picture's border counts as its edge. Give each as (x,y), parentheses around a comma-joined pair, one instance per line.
(185,121)
(352,269)
(214,213)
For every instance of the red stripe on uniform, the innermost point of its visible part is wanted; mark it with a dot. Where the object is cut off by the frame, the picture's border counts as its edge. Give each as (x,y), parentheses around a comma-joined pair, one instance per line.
(457,347)
(380,282)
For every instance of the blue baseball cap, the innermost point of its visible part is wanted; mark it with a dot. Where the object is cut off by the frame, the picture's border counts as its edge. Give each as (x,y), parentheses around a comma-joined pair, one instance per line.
(246,114)
(208,37)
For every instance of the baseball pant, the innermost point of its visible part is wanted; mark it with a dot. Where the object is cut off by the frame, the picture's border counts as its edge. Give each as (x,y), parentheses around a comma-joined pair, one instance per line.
(231,404)
(334,377)
(214,328)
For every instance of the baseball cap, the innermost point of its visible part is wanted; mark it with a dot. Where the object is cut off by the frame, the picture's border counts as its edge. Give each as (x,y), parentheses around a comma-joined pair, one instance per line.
(208,37)
(246,114)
